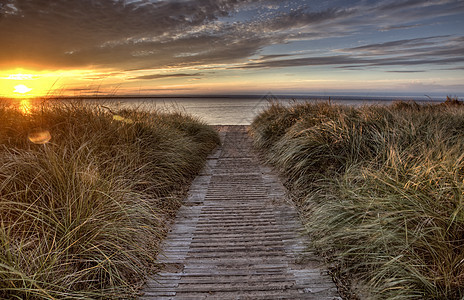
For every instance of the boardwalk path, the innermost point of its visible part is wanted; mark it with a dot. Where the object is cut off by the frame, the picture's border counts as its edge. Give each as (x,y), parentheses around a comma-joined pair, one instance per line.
(237,237)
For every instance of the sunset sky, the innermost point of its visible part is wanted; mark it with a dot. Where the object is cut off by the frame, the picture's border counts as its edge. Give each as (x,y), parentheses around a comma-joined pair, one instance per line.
(167,47)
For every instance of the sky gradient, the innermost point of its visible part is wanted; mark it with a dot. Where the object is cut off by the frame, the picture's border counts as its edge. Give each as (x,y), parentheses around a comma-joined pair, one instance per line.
(157,47)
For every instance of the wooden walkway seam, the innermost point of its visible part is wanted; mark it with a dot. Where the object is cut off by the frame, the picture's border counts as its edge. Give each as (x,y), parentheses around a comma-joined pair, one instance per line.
(237,236)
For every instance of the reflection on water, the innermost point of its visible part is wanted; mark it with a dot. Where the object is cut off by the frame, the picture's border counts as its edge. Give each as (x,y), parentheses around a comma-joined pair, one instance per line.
(233,110)
(214,111)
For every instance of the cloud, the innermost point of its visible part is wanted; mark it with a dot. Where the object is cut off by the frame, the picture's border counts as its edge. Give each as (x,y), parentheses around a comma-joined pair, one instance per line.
(454,69)
(86,91)
(406,71)
(397,27)
(101,76)
(273,56)
(302,18)
(162,76)
(397,46)
(305,61)
(68,33)
(407,52)
(403,4)
(401,13)
(150,34)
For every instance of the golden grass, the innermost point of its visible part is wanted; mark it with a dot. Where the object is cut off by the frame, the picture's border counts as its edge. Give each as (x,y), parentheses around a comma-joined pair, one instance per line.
(82,214)
(381,190)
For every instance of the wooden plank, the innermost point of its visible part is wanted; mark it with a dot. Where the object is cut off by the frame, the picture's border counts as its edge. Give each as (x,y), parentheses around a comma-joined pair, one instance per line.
(238,237)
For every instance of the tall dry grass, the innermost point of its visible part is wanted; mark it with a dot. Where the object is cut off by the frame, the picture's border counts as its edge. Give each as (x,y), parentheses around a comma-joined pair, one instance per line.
(381,190)
(82,215)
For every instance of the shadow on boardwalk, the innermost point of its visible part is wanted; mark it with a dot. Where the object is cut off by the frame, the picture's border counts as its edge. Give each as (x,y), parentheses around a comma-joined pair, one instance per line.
(236,237)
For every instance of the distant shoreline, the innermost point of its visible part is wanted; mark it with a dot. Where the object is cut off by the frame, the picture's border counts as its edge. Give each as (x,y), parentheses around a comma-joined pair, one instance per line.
(252,96)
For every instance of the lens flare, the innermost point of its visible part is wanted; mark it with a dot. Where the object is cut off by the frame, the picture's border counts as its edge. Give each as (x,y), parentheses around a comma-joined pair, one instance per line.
(39,136)
(122,119)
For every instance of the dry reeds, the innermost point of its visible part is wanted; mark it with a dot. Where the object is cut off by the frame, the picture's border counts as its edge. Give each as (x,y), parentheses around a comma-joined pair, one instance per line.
(381,190)
(82,214)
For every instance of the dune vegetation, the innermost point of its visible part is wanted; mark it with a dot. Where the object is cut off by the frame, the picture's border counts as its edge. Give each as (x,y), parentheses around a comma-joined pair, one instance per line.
(380,190)
(86,195)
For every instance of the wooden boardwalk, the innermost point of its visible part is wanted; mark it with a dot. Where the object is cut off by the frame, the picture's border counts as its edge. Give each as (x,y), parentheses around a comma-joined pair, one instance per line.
(237,237)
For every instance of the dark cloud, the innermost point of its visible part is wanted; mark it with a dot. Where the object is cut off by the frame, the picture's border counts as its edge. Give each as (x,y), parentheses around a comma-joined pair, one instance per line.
(397,45)
(306,61)
(409,52)
(166,89)
(402,4)
(406,71)
(69,33)
(273,56)
(398,27)
(101,76)
(162,76)
(398,12)
(301,18)
(150,34)
(146,34)
(86,91)
(454,69)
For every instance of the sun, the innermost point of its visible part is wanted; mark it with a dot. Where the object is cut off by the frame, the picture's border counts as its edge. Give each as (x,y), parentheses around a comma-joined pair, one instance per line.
(25,84)
(21,89)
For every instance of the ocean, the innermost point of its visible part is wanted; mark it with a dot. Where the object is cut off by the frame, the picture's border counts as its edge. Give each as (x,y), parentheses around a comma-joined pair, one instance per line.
(233,110)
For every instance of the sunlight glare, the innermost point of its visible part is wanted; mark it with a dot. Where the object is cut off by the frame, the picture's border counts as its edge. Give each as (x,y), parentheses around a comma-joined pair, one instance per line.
(25,107)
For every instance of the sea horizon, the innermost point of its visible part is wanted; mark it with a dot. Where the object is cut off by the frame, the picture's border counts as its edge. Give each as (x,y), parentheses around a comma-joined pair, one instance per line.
(238,109)
(233,109)
(389,96)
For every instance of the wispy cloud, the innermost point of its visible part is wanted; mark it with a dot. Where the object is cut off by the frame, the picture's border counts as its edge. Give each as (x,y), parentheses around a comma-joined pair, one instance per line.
(399,47)
(400,27)
(406,71)
(403,4)
(434,50)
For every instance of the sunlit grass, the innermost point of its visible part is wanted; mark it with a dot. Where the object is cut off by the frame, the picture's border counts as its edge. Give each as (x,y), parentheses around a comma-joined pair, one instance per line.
(85,197)
(381,190)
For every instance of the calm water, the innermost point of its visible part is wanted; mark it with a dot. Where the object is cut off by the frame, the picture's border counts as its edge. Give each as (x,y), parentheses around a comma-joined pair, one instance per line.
(227,110)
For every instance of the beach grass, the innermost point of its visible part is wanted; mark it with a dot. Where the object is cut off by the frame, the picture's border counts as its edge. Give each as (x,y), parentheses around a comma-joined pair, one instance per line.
(86,195)
(380,190)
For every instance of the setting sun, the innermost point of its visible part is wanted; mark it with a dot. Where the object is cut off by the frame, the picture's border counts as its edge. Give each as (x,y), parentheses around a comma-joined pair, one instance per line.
(21,89)
(24,83)
(20,83)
